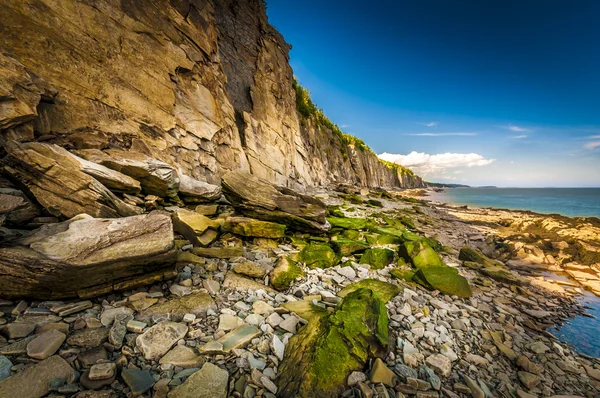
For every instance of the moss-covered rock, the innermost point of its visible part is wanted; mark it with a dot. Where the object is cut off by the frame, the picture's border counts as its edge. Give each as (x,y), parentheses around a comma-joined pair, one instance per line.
(318,255)
(377,258)
(250,269)
(473,255)
(352,198)
(445,279)
(420,254)
(503,274)
(254,228)
(334,211)
(346,247)
(347,222)
(386,291)
(489,267)
(351,234)
(284,273)
(403,274)
(382,239)
(375,203)
(320,357)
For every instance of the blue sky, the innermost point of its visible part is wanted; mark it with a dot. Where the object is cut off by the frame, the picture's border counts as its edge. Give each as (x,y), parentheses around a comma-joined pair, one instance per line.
(477,92)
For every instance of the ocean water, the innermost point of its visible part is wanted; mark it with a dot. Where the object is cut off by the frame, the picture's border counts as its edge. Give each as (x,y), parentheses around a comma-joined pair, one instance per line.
(572,202)
(580,332)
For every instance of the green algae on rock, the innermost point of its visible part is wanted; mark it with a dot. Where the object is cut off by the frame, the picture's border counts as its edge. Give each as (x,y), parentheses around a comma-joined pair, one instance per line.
(346,247)
(403,274)
(420,254)
(386,291)
(320,357)
(489,267)
(377,258)
(347,223)
(284,273)
(318,255)
(445,279)
(254,228)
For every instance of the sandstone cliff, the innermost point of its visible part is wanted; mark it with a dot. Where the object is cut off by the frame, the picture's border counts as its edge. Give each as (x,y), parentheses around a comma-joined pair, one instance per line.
(204,86)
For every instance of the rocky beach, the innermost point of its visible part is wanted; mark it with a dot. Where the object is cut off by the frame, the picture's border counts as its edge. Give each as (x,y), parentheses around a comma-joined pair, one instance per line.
(178,219)
(360,294)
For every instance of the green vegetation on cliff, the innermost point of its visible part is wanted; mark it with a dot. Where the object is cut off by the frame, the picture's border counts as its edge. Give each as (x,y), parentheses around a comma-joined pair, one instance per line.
(307,110)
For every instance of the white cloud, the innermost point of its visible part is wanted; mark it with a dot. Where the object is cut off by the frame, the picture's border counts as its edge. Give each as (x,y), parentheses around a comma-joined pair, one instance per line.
(592,145)
(518,137)
(517,129)
(426,164)
(430,124)
(594,137)
(440,134)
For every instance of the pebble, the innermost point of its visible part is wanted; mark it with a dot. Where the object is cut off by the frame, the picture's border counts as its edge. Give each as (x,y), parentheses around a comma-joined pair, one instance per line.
(45,344)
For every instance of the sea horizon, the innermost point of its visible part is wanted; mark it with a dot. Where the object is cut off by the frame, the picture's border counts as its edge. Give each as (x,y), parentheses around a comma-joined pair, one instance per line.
(569,202)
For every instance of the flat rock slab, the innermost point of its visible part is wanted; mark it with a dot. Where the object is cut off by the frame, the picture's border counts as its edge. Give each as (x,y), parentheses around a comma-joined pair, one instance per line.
(54,177)
(260,199)
(156,341)
(235,281)
(45,344)
(86,254)
(209,382)
(239,337)
(33,381)
(182,356)
(139,381)
(88,338)
(175,309)
(192,225)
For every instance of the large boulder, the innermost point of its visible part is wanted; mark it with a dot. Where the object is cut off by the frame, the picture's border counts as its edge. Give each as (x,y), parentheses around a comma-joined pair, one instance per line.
(86,256)
(285,272)
(56,180)
(445,279)
(320,357)
(254,228)
(156,177)
(192,190)
(318,255)
(260,199)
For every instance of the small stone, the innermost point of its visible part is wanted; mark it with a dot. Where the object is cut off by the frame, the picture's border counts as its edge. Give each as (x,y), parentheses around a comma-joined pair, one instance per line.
(72,308)
(278,347)
(212,286)
(102,371)
(95,384)
(268,384)
(529,380)
(209,382)
(88,338)
(212,347)
(182,356)
(524,363)
(538,347)
(189,318)
(274,319)
(139,381)
(289,324)
(109,315)
(254,319)
(446,351)
(229,322)
(476,392)
(250,269)
(239,337)
(118,331)
(261,308)
(440,364)
(136,326)
(256,363)
(157,340)
(46,344)
(5,365)
(15,331)
(356,377)
(380,373)
(180,291)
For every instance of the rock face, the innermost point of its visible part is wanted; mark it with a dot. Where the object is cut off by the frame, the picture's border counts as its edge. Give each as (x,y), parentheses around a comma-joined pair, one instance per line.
(74,258)
(202,86)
